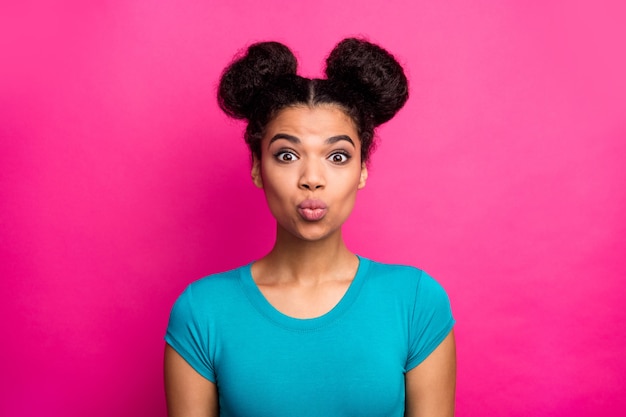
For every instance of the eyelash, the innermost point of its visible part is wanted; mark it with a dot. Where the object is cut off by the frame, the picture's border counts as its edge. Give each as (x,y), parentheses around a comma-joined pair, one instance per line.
(346,157)
(279,155)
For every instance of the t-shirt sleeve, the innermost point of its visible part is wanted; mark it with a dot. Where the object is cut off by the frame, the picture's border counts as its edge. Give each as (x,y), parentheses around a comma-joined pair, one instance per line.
(431,321)
(188,336)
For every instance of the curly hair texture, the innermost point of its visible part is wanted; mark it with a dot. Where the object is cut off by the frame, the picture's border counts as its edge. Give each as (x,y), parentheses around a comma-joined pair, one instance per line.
(362,79)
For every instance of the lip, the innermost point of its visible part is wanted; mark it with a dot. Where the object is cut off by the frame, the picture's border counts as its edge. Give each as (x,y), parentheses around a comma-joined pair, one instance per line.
(312,210)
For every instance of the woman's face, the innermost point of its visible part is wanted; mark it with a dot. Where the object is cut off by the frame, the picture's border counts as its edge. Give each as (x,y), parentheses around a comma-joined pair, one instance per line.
(310,170)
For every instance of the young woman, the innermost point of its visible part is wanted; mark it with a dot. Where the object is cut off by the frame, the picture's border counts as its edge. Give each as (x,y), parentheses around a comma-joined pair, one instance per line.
(312,329)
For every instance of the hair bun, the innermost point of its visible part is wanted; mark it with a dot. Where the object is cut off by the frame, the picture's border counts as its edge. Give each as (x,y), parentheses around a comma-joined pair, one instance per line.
(372,73)
(241,81)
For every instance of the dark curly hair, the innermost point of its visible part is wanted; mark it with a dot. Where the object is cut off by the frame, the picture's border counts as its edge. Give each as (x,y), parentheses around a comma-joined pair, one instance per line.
(362,79)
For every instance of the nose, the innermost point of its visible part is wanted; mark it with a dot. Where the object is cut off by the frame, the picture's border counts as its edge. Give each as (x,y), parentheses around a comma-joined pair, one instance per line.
(312,176)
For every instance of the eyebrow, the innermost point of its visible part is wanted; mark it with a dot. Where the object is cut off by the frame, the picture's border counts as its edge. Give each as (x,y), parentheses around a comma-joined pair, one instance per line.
(296,140)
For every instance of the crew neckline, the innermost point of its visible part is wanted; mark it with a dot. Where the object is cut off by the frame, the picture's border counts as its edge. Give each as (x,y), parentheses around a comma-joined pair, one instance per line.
(270,312)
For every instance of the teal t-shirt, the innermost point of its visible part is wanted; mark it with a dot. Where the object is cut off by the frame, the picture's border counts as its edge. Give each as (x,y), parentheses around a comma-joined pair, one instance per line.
(349,362)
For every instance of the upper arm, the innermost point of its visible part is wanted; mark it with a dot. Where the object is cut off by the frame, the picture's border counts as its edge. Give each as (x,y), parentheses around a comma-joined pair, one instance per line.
(430,386)
(188,393)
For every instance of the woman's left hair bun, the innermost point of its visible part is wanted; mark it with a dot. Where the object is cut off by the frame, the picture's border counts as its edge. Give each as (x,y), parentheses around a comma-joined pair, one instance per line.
(250,74)
(373,73)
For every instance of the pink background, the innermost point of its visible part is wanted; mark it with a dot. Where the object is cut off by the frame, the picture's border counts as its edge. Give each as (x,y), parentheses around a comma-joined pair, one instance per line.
(121,181)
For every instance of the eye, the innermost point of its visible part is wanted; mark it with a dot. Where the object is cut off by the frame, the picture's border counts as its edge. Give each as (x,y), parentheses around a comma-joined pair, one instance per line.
(285,156)
(339,157)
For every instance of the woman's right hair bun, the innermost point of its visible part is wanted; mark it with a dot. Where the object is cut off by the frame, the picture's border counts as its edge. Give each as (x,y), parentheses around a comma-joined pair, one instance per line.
(373,73)
(251,73)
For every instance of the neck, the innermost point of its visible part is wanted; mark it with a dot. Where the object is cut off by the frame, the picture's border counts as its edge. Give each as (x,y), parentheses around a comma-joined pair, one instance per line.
(294,259)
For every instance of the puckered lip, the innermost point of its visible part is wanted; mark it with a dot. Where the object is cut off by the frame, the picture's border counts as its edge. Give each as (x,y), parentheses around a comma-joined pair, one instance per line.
(312,204)
(312,210)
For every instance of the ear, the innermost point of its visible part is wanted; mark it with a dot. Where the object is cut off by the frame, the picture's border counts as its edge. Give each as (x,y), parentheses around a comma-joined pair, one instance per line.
(363,178)
(257,179)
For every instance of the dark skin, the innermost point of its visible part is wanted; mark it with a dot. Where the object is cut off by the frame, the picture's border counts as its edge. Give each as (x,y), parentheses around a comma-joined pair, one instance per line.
(311,153)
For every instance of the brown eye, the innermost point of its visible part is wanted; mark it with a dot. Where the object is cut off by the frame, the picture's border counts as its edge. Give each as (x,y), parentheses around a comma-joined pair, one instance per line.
(339,158)
(286,156)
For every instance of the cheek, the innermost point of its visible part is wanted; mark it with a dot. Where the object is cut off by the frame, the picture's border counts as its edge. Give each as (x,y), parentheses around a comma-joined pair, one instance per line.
(276,191)
(273,181)
(348,192)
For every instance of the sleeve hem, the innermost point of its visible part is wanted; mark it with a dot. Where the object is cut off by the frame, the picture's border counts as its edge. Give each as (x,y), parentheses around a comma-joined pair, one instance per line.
(432,346)
(189,358)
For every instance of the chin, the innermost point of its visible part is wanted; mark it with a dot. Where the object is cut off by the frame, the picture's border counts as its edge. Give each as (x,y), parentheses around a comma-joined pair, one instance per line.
(313,233)
(327,235)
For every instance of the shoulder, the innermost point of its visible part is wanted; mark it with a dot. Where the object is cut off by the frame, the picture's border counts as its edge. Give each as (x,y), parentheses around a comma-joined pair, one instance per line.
(220,280)
(405,278)
(212,290)
(393,270)
(397,273)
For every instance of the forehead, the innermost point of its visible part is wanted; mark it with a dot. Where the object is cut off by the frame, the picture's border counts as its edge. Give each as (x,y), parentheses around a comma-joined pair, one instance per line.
(323,120)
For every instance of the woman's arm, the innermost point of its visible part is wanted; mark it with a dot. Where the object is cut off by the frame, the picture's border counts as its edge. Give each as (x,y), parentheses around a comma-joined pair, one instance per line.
(188,393)
(430,385)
